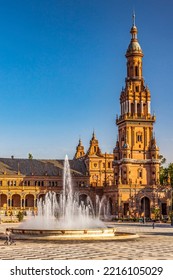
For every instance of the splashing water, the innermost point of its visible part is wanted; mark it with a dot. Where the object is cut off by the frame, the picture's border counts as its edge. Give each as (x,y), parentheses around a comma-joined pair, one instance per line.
(67,213)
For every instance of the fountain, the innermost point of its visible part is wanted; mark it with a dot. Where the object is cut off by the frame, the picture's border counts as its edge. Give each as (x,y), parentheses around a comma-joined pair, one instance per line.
(66,218)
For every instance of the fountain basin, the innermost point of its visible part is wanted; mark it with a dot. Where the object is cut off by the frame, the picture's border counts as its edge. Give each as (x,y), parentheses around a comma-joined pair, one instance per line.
(81,234)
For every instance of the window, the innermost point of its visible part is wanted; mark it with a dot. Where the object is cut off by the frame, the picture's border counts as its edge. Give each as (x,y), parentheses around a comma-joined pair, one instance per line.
(136,71)
(164,209)
(144,109)
(139,173)
(109,165)
(126,209)
(139,137)
(137,88)
(138,109)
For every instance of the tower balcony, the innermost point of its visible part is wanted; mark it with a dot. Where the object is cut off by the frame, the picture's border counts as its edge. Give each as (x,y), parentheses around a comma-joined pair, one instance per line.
(135,118)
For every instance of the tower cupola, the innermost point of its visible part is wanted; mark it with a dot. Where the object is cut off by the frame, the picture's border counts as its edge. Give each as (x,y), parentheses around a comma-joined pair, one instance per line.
(79,150)
(134,47)
(94,146)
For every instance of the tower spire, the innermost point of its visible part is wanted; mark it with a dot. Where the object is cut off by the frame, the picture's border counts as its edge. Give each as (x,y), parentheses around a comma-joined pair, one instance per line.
(133,18)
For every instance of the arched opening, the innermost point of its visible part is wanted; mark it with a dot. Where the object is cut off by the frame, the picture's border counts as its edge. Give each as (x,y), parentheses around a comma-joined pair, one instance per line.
(144,109)
(105,207)
(139,173)
(29,200)
(42,196)
(145,207)
(86,204)
(138,109)
(3,201)
(83,199)
(136,71)
(110,210)
(58,197)
(132,108)
(16,200)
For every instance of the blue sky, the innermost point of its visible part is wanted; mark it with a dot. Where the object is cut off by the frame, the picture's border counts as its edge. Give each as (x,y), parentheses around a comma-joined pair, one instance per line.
(62,67)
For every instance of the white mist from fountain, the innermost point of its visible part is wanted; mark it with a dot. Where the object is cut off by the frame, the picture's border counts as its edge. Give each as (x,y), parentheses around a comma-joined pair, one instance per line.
(66,213)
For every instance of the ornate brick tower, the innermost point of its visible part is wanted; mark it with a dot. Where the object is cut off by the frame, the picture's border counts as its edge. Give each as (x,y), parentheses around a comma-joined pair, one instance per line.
(136,153)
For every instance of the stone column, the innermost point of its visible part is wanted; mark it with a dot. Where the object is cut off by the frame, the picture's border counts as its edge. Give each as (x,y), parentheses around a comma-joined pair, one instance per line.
(135,107)
(129,107)
(148,106)
(35,201)
(142,111)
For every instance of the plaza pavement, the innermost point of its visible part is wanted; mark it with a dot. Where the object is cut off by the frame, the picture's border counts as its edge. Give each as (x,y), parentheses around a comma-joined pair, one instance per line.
(156,244)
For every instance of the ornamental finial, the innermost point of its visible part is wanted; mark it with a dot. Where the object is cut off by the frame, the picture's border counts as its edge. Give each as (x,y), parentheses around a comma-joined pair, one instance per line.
(133,18)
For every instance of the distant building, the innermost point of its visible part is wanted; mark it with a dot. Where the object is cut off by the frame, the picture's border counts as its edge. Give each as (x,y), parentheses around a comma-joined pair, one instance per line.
(127,180)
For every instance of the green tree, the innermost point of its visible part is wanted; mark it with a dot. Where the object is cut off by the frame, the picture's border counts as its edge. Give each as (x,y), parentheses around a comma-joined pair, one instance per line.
(163,170)
(162,160)
(20,216)
(156,212)
(166,175)
(30,156)
(170,174)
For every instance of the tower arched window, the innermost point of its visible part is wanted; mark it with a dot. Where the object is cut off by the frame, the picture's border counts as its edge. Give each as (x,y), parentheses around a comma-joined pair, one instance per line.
(137,88)
(140,173)
(132,108)
(138,109)
(139,137)
(136,71)
(144,109)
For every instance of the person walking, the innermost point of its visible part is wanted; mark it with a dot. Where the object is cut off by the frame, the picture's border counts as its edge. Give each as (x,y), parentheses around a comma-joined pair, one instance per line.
(9,240)
(8,236)
(153,224)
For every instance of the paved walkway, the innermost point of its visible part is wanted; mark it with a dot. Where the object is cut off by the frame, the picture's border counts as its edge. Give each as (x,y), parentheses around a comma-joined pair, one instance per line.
(154,244)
